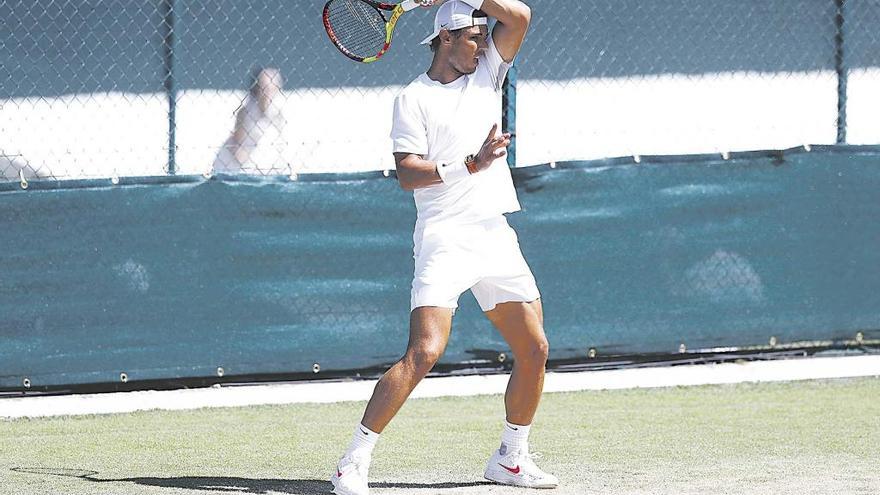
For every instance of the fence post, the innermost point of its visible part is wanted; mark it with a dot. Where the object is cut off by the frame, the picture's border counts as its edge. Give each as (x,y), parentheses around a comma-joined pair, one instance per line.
(168,80)
(842,74)
(508,112)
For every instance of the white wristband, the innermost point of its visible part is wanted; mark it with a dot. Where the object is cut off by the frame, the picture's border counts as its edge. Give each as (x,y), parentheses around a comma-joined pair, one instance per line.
(474,3)
(452,172)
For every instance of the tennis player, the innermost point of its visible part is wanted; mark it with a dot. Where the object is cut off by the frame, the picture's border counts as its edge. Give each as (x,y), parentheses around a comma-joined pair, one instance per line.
(450,152)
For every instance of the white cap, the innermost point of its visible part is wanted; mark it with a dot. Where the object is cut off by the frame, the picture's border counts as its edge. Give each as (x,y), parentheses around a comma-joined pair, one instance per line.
(453,15)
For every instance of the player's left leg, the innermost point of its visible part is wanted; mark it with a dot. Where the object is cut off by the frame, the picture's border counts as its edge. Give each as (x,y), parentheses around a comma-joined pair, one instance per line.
(522,326)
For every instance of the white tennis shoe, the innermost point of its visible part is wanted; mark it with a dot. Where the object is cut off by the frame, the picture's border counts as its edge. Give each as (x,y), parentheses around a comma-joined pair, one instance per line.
(518,468)
(350,477)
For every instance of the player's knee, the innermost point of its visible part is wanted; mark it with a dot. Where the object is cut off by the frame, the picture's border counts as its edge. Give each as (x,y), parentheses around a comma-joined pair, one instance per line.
(538,352)
(542,350)
(423,359)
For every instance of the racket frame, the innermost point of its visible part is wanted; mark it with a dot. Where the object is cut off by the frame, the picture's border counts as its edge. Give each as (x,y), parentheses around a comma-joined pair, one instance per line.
(396,11)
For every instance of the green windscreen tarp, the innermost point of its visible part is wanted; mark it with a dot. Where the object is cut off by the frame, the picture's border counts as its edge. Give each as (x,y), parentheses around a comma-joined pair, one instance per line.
(172,281)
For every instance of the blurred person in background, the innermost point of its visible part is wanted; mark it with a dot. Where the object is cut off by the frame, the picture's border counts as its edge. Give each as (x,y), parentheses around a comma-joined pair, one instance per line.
(257,144)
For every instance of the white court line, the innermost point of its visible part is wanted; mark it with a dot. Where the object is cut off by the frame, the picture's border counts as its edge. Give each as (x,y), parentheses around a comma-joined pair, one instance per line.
(322,392)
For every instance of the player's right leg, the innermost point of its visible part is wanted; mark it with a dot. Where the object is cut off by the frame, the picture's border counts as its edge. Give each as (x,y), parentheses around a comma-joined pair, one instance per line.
(428,335)
(429,332)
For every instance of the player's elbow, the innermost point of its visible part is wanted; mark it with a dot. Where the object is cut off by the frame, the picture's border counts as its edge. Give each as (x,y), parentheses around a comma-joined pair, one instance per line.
(407,176)
(405,183)
(522,14)
(527,13)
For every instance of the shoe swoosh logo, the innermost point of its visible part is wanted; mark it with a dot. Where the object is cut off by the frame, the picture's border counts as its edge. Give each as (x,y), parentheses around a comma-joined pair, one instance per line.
(513,470)
(338,472)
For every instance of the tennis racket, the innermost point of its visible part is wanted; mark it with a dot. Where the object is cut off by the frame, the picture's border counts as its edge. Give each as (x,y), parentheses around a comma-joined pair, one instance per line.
(362,29)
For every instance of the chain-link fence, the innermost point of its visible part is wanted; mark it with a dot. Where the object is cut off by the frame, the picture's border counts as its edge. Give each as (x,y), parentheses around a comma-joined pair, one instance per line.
(107,88)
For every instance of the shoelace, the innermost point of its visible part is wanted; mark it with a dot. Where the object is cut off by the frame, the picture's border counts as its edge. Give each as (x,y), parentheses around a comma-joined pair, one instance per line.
(530,458)
(360,464)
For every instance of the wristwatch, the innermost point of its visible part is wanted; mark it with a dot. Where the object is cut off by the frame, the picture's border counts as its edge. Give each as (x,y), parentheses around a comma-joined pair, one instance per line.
(470,162)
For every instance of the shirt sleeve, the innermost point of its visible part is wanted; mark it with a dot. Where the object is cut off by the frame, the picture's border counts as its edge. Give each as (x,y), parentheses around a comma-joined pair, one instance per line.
(408,131)
(497,66)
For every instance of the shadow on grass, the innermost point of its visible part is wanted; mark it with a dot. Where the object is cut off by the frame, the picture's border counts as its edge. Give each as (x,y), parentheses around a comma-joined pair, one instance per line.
(237,485)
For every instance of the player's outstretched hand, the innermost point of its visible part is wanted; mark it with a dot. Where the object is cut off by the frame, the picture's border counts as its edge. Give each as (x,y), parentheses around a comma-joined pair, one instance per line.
(494,147)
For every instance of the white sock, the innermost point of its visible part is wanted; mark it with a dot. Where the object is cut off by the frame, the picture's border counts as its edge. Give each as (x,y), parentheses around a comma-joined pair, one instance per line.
(515,437)
(363,441)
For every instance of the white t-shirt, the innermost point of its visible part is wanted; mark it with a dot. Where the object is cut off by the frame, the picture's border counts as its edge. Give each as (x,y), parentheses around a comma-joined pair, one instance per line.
(446,122)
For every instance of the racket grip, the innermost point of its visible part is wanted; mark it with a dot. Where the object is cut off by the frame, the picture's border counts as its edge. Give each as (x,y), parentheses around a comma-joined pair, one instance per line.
(408,5)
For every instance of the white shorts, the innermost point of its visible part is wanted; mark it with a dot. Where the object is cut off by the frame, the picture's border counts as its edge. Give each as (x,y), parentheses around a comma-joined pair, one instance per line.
(484,257)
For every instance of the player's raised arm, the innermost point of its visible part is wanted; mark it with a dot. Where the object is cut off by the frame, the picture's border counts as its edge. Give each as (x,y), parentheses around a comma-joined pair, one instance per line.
(513,19)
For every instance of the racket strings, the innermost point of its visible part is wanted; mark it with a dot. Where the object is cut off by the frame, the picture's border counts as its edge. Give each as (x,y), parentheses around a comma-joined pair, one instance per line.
(358,26)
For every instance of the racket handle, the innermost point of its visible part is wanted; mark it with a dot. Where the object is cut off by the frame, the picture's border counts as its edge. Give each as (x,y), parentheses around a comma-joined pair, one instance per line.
(408,5)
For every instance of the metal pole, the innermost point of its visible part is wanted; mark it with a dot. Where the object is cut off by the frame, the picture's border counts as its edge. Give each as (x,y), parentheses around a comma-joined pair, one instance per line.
(842,73)
(168,80)
(508,112)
